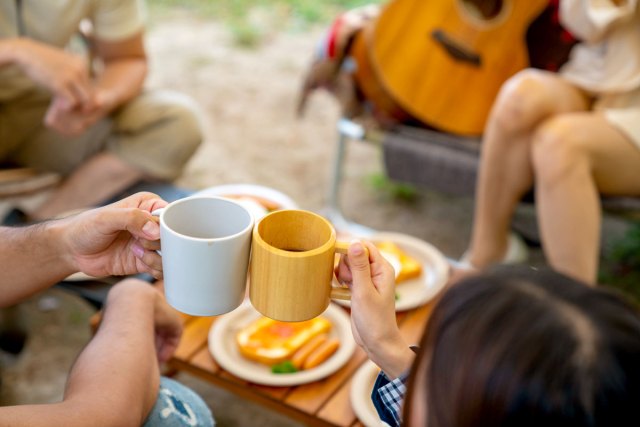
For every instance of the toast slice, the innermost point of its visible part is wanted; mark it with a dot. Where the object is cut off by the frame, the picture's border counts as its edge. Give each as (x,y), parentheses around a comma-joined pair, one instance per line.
(270,341)
(409,266)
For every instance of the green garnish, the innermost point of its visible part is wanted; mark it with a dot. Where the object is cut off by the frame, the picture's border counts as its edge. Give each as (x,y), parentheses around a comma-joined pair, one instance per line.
(397,296)
(285,367)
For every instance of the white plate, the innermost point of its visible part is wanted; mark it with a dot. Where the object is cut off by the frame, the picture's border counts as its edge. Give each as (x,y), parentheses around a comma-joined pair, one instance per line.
(224,349)
(360,394)
(415,292)
(275,196)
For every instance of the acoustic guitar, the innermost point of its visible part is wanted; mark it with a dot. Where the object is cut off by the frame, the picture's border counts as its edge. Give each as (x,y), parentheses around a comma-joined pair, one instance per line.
(443,62)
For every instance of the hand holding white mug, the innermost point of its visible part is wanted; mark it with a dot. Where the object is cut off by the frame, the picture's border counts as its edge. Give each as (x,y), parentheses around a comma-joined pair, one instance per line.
(118,239)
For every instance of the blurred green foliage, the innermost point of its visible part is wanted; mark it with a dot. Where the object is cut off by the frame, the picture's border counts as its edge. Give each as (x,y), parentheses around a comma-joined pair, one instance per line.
(395,190)
(236,13)
(310,10)
(621,266)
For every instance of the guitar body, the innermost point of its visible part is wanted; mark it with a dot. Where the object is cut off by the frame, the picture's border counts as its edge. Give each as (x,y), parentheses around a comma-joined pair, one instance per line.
(444,64)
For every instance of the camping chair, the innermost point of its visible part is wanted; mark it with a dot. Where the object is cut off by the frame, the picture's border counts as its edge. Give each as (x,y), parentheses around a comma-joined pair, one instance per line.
(436,161)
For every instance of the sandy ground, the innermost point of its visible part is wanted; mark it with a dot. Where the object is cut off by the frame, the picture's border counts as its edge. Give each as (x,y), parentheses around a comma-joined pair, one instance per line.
(247,98)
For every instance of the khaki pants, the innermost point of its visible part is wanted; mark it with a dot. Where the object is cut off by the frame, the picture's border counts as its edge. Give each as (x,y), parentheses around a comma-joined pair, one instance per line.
(156,132)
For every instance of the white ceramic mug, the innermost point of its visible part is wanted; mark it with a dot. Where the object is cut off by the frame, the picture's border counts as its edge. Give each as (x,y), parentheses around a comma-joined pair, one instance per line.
(205,245)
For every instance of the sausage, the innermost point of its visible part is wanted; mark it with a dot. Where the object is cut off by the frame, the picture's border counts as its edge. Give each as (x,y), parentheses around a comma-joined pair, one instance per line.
(303,352)
(322,353)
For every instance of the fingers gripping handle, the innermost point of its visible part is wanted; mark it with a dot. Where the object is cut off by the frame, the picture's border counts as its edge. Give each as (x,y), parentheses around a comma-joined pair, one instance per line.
(339,291)
(157,213)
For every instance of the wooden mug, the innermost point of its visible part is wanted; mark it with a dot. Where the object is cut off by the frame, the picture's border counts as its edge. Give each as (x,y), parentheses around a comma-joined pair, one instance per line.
(292,261)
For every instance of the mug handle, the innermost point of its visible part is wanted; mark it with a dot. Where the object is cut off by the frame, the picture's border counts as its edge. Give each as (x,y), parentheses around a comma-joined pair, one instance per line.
(339,291)
(157,213)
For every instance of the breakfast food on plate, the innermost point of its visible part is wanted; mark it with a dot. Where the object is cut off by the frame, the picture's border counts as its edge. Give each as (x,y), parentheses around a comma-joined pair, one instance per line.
(302,354)
(287,346)
(321,353)
(409,266)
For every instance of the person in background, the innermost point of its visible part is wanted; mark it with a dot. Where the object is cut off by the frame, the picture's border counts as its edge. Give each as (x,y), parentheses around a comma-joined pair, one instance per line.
(511,347)
(115,380)
(88,119)
(575,134)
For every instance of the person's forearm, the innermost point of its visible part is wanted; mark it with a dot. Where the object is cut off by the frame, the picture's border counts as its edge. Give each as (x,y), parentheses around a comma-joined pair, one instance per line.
(32,259)
(394,358)
(115,380)
(121,81)
(119,367)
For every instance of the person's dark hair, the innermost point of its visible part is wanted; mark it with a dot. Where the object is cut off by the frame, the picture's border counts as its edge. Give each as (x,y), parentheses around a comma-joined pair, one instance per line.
(519,347)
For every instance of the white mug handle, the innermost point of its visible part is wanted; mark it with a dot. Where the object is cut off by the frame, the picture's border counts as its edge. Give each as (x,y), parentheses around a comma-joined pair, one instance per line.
(157,213)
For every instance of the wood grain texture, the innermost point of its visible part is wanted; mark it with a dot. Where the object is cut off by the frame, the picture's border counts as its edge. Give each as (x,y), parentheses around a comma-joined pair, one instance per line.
(292,262)
(192,340)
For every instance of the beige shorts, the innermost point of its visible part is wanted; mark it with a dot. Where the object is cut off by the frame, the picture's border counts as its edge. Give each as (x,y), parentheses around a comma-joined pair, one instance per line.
(623,112)
(157,132)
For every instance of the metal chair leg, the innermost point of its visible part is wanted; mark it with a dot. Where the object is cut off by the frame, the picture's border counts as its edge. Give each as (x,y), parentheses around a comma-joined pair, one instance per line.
(347,129)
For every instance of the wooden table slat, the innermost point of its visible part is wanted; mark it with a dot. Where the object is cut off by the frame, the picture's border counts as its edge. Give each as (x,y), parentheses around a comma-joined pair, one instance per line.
(187,318)
(202,359)
(277,393)
(194,337)
(338,409)
(321,403)
(412,326)
(310,397)
(222,379)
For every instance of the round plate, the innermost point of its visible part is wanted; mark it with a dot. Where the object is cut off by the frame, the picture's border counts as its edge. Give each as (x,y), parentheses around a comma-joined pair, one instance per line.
(415,292)
(360,395)
(275,196)
(223,348)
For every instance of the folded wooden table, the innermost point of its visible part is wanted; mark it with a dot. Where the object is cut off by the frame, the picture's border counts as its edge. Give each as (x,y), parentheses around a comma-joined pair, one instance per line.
(325,402)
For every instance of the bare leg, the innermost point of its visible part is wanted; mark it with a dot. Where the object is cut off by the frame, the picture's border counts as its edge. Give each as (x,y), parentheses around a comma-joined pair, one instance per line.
(505,173)
(576,157)
(102,176)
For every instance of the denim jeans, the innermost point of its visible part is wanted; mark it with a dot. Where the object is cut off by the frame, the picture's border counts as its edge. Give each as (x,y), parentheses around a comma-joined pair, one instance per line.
(178,406)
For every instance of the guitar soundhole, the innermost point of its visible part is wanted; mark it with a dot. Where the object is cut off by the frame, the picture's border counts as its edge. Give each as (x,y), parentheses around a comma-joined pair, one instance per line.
(483,9)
